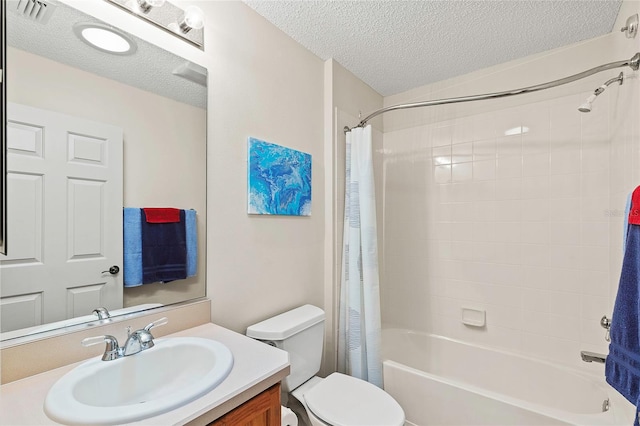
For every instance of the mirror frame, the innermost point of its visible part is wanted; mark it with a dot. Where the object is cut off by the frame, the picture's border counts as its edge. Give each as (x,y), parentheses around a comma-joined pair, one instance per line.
(3,133)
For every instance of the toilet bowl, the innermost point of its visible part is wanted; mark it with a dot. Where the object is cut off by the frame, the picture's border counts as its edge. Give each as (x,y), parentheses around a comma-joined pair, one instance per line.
(341,400)
(337,400)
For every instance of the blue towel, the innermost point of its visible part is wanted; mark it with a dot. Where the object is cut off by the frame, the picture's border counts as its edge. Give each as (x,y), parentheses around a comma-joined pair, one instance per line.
(132,239)
(192,242)
(164,251)
(622,368)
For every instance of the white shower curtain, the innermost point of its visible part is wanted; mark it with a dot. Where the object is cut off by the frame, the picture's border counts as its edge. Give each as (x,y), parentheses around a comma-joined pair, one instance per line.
(359,322)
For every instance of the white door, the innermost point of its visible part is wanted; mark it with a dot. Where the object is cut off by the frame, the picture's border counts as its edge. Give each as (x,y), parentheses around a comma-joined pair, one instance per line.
(64,203)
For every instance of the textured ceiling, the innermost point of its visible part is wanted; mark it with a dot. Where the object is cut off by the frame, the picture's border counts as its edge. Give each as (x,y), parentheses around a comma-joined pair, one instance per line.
(396,45)
(150,68)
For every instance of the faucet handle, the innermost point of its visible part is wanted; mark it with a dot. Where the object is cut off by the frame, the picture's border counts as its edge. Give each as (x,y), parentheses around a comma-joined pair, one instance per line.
(111,349)
(156,323)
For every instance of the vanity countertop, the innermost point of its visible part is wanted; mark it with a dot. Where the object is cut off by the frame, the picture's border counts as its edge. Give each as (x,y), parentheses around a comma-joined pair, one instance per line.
(256,367)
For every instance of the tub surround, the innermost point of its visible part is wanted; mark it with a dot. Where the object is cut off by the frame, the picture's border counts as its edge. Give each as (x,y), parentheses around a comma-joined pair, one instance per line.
(256,368)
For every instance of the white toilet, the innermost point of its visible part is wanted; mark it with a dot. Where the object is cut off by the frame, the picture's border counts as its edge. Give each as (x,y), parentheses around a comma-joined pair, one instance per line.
(338,400)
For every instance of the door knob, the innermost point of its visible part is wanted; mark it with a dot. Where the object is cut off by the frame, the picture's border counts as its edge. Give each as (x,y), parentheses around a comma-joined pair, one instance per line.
(113,270)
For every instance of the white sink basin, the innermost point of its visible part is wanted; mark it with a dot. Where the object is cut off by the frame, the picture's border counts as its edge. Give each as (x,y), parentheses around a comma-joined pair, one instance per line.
(172,373)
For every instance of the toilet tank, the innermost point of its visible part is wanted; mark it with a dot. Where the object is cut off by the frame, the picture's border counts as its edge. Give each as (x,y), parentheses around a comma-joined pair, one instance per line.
(300,332)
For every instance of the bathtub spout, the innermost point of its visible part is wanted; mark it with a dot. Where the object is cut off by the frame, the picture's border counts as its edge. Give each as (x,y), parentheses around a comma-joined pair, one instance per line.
(593,357)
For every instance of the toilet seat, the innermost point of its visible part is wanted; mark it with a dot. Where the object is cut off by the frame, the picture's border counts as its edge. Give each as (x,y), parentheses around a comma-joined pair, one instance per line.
(342,400)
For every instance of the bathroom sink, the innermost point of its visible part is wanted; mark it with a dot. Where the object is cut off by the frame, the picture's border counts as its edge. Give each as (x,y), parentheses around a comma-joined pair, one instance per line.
(174,372)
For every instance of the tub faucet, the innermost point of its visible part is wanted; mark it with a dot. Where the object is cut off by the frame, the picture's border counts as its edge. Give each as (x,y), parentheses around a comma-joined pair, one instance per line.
(137,341)
(102,313)
(593,357)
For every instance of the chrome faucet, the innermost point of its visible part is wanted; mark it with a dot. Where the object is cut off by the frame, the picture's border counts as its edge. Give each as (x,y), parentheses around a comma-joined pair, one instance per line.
(593,357)
(137,341)
(102,313)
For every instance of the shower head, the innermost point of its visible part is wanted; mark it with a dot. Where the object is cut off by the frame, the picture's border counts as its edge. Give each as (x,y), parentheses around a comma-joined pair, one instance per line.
(588,104)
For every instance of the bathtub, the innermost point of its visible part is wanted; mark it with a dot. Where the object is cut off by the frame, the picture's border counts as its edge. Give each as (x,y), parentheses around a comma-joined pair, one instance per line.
(441,381)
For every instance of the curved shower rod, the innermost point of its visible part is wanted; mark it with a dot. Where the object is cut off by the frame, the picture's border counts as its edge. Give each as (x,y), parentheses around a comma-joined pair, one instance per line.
(633,63)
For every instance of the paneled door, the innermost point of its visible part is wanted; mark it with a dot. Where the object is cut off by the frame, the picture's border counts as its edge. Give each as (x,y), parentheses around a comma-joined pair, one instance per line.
(64,218)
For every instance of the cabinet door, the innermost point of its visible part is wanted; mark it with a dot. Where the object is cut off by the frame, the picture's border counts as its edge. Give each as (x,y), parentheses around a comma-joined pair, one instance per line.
(262,410)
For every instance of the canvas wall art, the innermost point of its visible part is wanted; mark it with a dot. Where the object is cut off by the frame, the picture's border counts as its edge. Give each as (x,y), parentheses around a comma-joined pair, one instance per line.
(279,180)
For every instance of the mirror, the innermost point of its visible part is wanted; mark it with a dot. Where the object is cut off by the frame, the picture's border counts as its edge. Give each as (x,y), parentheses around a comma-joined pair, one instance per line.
(88,133)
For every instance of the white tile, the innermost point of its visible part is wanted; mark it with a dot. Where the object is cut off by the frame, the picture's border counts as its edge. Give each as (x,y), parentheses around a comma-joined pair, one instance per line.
(483,190)
(564,185)
(563,279)
(536,322)
(534,300)
(594,258)
(594,208)
(442,174)
(535,210)
(484,211)
(535,277)
(462,131)
(595,184)
(564,209)
(462,153)
(594,307)
(441,136)
(535,255)
(508,232)
(484,170)
(462,172)
(508,189)
(564,233)
(564,327)
(564,303)
(441,155)
(484,252)
(535,233)
(461,250)
(564,256)
(508,210)
(462,212)
(484,149)
(535,187)
(564,161)
(462,231)
(509,146)
(595,283)
(484,232)
(507,275)
(536,164)
(508,167)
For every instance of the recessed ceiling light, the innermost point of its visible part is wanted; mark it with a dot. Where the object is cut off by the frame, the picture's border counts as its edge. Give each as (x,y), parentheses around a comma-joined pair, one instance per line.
(105,38)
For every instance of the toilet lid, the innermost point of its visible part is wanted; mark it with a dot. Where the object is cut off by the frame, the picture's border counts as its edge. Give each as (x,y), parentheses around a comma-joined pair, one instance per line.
(342,400)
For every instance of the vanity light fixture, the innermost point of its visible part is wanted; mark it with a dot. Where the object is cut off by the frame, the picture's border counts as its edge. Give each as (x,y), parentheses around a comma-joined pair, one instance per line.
(146,5)
(187,23)
(105,38)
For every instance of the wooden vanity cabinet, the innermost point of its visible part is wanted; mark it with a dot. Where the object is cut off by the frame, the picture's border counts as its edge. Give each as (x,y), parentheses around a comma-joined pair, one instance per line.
(261,410)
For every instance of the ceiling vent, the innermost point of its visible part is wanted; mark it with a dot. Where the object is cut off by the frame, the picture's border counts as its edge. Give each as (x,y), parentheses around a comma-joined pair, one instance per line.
(36,10)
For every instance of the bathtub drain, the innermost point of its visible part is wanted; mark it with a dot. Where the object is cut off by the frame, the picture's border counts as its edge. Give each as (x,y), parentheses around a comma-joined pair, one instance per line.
(605,405)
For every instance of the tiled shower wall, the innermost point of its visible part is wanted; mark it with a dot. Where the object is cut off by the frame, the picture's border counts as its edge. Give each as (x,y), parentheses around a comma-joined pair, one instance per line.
(517,212)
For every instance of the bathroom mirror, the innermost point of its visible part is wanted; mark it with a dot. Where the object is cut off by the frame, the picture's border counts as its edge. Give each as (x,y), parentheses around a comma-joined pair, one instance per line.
(126,129)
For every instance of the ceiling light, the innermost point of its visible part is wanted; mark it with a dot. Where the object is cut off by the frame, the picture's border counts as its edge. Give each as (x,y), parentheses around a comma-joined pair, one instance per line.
(105,38)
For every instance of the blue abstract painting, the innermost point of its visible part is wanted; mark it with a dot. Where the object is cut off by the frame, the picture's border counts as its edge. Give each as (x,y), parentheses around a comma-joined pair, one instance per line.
(279,180)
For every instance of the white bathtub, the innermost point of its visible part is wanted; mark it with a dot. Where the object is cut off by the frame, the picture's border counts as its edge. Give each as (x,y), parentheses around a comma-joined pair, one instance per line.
(441,381)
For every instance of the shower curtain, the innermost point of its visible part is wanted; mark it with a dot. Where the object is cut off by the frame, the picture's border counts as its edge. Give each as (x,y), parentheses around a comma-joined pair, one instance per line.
(359,322)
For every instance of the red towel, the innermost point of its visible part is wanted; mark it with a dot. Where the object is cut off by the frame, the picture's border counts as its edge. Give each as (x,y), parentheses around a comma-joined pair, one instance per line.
(161,215)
